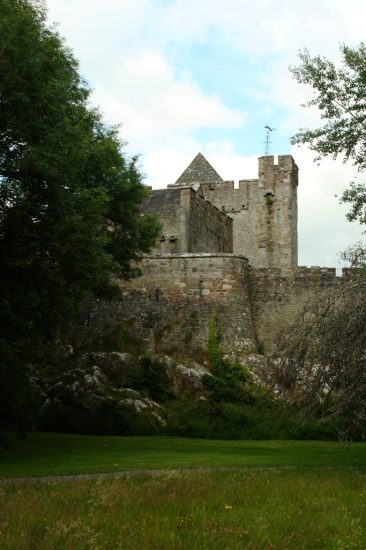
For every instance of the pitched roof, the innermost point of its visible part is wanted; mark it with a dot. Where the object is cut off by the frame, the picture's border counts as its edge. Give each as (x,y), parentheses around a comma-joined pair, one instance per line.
(200,170)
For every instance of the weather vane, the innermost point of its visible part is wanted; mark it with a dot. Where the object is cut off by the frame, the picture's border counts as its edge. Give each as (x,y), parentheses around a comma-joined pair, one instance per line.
(268,142)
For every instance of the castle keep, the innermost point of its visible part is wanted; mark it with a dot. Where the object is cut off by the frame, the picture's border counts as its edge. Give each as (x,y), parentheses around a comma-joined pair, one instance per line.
(223,250)
(258,220)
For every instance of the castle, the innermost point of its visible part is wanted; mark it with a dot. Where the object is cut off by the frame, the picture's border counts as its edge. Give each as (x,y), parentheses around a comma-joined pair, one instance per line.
(203,213)
(223,250)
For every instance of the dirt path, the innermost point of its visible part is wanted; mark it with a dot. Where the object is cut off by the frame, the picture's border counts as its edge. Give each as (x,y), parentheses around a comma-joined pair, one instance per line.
(127,474)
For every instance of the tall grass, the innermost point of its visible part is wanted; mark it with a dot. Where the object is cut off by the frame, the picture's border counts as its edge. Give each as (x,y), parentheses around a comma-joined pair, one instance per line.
(233,510)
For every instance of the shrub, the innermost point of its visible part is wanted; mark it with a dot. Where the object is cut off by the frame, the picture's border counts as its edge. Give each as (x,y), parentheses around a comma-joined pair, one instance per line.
(150,379)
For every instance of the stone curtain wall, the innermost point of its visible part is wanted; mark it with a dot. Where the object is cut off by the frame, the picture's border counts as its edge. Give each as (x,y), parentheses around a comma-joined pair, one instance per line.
(170,306)
(277,300)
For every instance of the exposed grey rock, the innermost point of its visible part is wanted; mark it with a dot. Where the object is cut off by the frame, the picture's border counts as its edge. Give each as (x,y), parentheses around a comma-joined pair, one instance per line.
(145,405)
(184,378)
(262,370)
(127,392)
(115,365)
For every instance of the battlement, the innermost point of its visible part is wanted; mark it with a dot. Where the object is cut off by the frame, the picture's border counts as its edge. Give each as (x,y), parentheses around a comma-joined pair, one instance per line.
(316,272)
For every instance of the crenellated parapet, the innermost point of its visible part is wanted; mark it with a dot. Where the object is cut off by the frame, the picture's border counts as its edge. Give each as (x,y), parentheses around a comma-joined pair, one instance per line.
(264,212)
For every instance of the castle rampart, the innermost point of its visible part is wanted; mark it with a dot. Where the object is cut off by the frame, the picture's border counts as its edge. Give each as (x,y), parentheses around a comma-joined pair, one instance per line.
(276,300)
(170,306)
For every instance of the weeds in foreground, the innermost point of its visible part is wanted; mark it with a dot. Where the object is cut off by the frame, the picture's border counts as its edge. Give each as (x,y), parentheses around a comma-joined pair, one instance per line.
(234,510)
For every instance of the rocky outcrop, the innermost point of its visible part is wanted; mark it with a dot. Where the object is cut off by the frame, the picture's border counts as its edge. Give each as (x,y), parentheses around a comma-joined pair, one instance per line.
(139,404)
(184,378)
(85,398)
(118,367)
(115,365)
(101,392)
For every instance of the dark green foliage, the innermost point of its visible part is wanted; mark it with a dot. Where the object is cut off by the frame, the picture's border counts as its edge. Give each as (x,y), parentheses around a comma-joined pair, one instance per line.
(228,384)
(110,418)
(150,378)
(339,94)
(230,381)
(19,397)
(116,337)
(69,199)
(225,420)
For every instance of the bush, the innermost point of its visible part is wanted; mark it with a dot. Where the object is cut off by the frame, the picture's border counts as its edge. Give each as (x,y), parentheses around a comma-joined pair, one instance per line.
(225,420)
(150,379)
(110,418)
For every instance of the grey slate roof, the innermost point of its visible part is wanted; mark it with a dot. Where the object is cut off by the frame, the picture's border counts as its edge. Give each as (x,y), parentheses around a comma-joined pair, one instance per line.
(200,170)
(154,203)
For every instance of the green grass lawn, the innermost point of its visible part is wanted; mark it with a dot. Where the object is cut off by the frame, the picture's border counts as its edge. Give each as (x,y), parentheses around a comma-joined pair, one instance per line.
(51,454)
(248,509)
(320,503)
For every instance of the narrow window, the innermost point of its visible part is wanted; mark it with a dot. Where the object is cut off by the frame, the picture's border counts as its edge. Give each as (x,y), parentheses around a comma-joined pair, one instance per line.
(157,294)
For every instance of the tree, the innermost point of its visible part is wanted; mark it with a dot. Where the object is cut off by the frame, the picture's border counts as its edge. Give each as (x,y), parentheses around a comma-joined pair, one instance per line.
(323,358)
(69,197)
(340,95)
(323,363)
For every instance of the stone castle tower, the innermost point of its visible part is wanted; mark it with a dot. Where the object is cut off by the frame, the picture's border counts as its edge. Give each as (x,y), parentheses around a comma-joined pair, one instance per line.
(263,210)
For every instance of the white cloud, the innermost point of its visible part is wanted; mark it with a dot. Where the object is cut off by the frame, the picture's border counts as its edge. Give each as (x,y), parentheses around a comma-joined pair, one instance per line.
(152,103)
(323,229)
(261,27)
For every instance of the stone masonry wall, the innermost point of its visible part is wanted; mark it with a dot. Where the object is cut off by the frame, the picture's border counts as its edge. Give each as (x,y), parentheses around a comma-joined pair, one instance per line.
(264,213)
(189,223)
(166,205)
(170,306)
(276,300)
(209,229)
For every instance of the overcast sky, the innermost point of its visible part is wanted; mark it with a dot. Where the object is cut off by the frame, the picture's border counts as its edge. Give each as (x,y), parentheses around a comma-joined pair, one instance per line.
(183,76)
